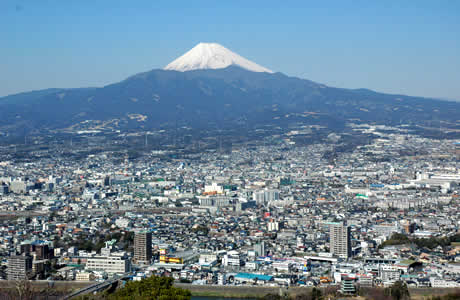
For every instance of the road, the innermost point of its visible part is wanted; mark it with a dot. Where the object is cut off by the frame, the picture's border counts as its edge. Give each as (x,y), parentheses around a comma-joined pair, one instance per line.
(95,287)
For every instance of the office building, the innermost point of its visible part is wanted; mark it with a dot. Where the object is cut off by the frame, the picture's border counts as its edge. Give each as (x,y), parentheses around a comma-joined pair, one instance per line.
(109,264)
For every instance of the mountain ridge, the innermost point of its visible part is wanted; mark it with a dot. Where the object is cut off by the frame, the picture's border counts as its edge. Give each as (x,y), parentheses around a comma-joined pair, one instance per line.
(199,98)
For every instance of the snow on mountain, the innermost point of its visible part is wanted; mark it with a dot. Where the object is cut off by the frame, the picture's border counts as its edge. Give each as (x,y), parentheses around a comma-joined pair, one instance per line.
(212,56)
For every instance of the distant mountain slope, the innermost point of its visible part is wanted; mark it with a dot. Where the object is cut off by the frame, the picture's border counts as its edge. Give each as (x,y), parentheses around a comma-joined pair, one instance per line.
(213,96)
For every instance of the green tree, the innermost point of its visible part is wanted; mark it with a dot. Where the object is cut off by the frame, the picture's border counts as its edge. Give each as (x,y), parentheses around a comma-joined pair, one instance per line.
(272,297)
(313,294)
(201,228)
(316,294)
(158,288)
(398,291)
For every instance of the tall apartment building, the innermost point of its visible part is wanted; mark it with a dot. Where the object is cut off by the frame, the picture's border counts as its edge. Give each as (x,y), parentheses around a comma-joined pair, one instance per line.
(38,249)
(408,226)
(142,247)
(259,249)
(266,196)
(340,240)
(19,267)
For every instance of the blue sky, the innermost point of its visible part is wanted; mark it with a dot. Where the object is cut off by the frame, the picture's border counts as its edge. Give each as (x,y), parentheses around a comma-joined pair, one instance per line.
(407,47)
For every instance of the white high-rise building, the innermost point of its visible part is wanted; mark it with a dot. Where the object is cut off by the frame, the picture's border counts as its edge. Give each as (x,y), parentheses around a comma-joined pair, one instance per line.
(273,226)
(19,267)
(259,249)
(340,240)
(266,196)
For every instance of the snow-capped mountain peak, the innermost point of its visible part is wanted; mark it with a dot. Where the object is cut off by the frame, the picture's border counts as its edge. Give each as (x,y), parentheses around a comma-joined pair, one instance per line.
(212,56)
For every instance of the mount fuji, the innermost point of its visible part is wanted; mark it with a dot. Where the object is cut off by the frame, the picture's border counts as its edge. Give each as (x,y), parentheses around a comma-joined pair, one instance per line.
(212,56)
(213,87)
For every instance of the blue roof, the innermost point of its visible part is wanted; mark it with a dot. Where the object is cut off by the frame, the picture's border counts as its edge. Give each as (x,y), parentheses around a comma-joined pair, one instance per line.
(408,276)
(39,242)
(254,276)
(377,185)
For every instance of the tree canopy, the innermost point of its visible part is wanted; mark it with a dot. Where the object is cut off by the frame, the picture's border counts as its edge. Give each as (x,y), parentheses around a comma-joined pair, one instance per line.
(155,288)
(398,291)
